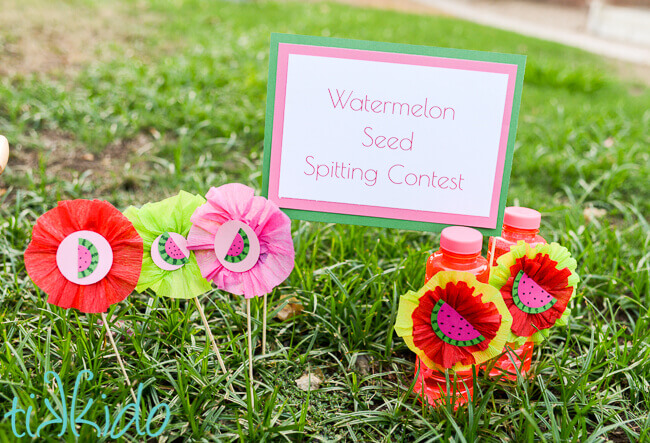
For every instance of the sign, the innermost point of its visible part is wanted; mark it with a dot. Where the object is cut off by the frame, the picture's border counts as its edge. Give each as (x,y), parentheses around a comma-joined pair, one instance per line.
(390,135)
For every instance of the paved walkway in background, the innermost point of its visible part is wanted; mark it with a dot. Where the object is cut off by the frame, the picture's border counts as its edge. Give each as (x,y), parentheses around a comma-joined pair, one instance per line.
(563,24)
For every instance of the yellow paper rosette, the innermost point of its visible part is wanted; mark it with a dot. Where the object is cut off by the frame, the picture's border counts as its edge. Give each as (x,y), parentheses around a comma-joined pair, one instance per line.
(536,285)
(454,321)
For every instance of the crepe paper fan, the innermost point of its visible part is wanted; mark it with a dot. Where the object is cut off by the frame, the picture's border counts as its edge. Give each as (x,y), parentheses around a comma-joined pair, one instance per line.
(536,285)
(454,321)
(242,242)
(169,269)
(85,255)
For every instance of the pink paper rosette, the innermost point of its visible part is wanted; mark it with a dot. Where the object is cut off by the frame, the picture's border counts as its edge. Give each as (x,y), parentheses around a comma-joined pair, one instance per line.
(242,242)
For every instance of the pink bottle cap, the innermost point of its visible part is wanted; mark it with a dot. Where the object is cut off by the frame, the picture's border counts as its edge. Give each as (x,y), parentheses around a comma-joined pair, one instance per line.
(522,218)
(461,240)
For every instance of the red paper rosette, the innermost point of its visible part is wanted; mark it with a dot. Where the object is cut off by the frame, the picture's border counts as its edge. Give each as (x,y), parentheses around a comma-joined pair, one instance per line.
(536,285)
(453,321)
(84,254)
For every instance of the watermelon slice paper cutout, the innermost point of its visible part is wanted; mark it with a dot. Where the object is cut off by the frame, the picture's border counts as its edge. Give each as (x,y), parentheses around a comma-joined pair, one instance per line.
(72,252)
(239,248)
(170,252)
(87,258)
(452,328)
(529,296)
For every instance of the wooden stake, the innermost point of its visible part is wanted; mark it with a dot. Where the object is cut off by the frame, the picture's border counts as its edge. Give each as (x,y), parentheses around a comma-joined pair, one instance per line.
(210,336)
(250,350)
(264,328)
(491,254)
(117,354)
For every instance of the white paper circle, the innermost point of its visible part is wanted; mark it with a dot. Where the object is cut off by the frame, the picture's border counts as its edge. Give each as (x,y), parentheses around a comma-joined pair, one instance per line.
(236,252)
(84,257)
(171,263)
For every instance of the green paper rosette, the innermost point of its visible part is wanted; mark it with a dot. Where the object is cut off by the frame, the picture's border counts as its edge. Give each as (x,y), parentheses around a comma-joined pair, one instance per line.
(169,269)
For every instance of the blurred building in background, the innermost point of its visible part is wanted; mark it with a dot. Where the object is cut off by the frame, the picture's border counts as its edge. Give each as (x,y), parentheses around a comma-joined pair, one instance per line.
(624,20)
(619,29)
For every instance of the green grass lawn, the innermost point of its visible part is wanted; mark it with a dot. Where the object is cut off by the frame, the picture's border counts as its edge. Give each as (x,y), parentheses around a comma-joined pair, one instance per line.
(181,106)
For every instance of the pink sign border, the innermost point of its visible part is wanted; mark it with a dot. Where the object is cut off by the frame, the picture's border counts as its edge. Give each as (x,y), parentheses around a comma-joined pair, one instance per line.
(285,49)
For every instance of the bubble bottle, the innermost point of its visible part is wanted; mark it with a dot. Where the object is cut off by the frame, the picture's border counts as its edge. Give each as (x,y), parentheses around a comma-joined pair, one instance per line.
(519,224)
(460,250)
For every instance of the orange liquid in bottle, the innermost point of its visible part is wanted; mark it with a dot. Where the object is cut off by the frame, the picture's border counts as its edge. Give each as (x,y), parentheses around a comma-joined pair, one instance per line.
(443,260)
(519,224)
(497,246)
(460,250)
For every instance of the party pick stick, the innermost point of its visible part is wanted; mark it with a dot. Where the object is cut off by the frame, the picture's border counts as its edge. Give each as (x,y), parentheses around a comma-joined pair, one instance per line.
(117,355)
(169,268)
(492,250)
(85,255)
(264,327)
(213,342)
(250,348)
(243,244)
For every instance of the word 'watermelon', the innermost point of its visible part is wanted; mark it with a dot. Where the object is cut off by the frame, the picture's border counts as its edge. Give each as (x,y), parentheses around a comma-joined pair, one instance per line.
(529,296)
(170,252)
(239,248)
(87,258)
(452,328)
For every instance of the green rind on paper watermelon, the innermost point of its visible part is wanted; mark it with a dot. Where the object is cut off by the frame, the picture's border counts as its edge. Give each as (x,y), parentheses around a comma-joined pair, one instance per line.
(239,249)
(444,331)
(170,252)
(528,296)
(87,258)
